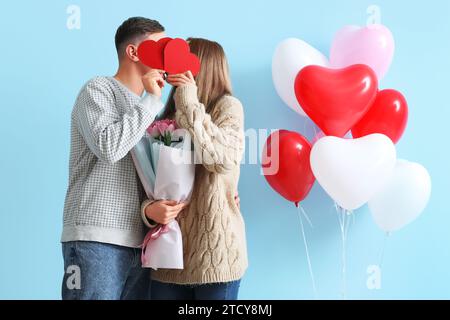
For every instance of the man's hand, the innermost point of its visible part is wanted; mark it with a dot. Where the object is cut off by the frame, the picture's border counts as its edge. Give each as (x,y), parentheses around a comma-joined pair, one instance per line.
(153,82)
(164,212)
(182,79)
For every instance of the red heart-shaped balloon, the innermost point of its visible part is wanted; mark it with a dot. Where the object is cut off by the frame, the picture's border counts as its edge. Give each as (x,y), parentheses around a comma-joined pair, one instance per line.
(336,99)
(151,53)
(388,115)
(179,59)
(286,165)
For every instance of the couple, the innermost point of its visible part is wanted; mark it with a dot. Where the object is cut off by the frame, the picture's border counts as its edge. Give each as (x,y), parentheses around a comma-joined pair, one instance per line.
(106,214)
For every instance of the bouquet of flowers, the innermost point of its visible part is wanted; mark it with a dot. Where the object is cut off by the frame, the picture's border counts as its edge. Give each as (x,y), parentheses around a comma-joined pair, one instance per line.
(165,164)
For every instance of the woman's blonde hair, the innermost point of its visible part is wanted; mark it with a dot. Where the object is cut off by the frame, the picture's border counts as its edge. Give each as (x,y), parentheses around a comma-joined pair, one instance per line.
(213,80)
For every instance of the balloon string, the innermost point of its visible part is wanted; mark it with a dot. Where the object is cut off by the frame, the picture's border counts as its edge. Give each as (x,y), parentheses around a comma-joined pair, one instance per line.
(306,216)
(336,207)
(305,241)
(344,223)
(315,131)
(349,216)
(344,256)
(305,131)
(353,219)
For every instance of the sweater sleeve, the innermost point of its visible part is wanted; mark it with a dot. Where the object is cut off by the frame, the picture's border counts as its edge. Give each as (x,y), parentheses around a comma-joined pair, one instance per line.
(147,221)
(218,144)
(108,134)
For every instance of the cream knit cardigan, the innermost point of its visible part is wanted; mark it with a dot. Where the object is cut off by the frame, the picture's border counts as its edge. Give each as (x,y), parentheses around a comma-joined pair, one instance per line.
(212,226)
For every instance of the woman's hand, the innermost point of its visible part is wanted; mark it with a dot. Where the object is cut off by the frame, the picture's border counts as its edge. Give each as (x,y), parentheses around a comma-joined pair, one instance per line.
(182,79)
(164,212)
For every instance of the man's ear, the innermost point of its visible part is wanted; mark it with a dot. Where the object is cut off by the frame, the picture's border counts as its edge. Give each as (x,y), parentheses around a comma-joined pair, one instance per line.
(131,52)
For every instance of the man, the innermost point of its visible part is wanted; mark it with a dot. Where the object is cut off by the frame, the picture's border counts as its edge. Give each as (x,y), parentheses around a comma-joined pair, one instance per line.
(103,228)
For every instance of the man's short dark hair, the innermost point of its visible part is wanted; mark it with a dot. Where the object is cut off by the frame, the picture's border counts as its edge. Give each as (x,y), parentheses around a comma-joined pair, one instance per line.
(133,28)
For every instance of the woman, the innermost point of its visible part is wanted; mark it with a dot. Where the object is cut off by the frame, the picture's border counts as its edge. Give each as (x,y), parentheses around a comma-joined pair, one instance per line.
(214,244)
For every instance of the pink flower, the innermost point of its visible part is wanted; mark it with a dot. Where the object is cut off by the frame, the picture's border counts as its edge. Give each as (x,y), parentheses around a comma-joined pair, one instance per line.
(153,131)
(162,128)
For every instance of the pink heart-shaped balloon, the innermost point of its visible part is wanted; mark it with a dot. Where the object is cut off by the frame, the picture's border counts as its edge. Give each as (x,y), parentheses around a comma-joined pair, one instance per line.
(372,45)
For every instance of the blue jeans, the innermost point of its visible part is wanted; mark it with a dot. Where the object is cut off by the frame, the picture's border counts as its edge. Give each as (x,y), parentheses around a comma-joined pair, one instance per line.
(215,291)
(99,271)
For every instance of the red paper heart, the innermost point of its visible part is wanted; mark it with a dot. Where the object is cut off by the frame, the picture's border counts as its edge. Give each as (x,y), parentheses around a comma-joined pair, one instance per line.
(388,115)
(286,165)
(151,53)
(336,99)
(179,59)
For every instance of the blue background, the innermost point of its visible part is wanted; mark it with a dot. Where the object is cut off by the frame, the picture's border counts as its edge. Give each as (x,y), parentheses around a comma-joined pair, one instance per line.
(43,65)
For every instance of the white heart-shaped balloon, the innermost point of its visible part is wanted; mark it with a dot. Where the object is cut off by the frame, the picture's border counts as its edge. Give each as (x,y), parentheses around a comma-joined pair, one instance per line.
(291,56)
(352,171)
(403,198)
